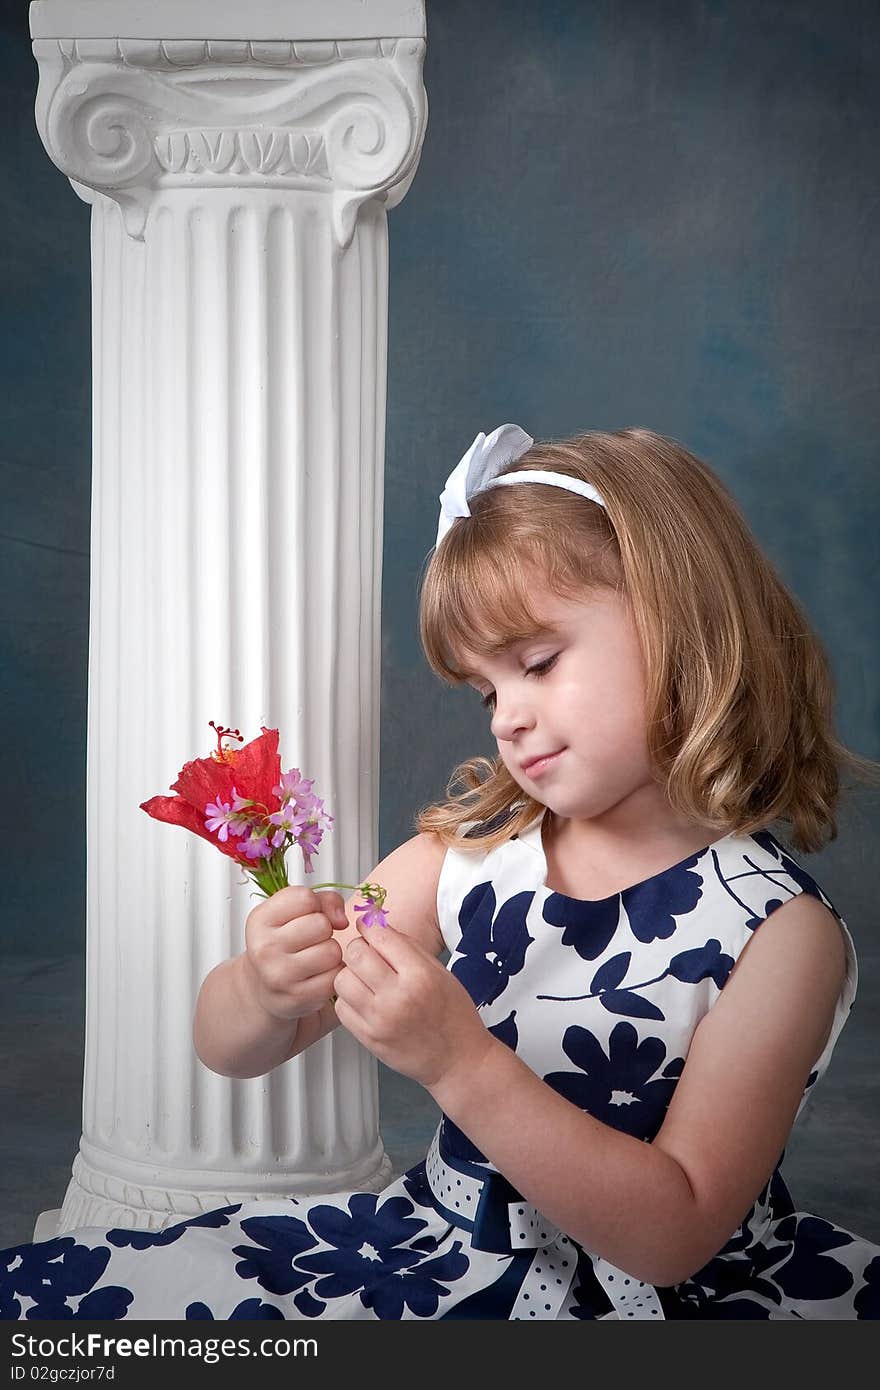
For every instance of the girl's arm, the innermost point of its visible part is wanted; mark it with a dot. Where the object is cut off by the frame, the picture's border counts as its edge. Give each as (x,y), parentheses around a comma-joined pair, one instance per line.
(661,1210)
(234,1036)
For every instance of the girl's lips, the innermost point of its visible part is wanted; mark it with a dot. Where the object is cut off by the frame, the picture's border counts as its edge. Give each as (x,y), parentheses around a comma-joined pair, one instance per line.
(536,768)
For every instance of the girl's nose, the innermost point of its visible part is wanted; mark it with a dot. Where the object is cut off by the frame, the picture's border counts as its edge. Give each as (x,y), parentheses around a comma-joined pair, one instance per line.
(510,716)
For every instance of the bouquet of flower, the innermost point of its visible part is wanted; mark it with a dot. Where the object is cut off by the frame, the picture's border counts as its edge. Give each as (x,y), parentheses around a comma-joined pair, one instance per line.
(241,801)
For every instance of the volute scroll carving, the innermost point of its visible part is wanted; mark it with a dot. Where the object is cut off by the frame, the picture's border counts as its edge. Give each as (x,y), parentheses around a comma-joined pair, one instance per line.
(349,126)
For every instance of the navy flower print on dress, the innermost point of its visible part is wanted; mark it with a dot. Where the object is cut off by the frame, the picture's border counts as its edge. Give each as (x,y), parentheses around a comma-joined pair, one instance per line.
(653,907)
(250,1310)
(621,1088)
(586,932)
(497,942)
(276,1242)
(810,1269)
(143,1240)
(58,1278)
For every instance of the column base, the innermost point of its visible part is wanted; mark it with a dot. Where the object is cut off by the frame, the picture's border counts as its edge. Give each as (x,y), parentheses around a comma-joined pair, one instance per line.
(46,1226)
(95,1198)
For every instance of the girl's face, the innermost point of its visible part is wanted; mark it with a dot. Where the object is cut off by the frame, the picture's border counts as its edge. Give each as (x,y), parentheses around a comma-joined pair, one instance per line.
(575,691)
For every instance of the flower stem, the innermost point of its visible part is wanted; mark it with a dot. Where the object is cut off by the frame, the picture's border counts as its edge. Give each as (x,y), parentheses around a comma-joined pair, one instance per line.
(373,892)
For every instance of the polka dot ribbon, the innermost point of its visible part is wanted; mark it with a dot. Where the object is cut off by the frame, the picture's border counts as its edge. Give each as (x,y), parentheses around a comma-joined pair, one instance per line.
(547,1284)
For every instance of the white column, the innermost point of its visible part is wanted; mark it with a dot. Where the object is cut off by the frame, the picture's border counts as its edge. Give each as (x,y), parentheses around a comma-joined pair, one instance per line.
(239,187)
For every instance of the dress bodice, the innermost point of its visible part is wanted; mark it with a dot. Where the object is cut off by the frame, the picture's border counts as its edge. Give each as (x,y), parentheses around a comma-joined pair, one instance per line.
(601,998)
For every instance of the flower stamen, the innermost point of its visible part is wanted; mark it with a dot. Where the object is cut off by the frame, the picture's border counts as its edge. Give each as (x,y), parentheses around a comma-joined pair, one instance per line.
(221,754)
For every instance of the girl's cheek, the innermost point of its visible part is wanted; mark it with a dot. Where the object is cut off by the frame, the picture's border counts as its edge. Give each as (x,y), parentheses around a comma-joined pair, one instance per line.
(580,698)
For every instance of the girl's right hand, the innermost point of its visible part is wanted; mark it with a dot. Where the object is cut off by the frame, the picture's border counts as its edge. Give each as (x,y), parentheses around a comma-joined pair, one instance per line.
(291,958)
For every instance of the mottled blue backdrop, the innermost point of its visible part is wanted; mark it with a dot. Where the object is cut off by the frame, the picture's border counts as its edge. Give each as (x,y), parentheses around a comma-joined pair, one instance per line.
(625,214)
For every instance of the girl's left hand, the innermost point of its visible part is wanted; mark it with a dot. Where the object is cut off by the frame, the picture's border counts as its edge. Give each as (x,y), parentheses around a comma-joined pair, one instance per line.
(406,1008)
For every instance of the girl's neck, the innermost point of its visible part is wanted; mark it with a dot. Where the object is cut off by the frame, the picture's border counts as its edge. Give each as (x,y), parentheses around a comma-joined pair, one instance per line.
(589,861)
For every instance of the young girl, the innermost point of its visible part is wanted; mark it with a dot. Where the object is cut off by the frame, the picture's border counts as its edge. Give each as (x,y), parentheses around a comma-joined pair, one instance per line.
(644,985)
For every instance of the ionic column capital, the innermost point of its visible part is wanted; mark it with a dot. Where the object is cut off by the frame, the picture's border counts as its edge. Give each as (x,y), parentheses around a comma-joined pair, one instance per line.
(130,116)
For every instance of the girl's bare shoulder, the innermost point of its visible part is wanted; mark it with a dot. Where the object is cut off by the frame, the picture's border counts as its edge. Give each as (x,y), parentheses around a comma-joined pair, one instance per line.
(410,874)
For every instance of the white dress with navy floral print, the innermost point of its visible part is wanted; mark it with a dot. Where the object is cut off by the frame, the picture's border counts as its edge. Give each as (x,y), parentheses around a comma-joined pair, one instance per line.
(600,999)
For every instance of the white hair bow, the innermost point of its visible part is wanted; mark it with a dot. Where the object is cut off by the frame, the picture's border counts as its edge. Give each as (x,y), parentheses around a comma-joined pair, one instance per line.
(483,461)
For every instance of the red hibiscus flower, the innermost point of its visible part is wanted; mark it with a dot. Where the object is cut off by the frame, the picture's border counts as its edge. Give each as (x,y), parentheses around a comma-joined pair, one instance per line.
(242,803)
(253,772)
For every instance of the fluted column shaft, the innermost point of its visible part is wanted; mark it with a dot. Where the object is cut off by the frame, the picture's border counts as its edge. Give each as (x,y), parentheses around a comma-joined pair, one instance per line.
(239,348)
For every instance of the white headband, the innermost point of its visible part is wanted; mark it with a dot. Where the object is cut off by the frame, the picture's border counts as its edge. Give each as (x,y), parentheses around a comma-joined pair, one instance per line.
(479,467)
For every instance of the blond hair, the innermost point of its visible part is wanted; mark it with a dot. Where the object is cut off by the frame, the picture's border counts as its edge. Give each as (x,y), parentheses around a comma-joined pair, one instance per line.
(740,694)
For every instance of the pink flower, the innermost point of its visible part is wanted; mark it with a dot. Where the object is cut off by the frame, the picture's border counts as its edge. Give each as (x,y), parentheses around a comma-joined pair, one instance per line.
(373,914)
(291,818)
(311,833)
(223,814)
(294,787)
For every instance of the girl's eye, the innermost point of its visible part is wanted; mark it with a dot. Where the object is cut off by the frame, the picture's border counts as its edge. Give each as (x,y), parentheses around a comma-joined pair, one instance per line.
(541,669)
(543,666)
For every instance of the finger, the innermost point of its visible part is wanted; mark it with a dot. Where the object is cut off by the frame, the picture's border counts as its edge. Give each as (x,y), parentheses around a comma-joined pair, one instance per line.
(314,960)
(352,989)
(333,907)
(286,974)
(317,992)
(293,901)
(393,946)
(311,996)
(301,933)
(368,964)
(351,1020)
(324,985)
